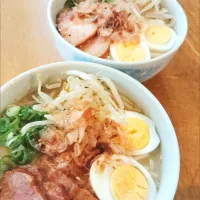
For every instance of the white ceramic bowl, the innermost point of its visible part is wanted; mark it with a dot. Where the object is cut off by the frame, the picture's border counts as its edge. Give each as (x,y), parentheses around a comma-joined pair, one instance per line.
(141,71)
(19,86)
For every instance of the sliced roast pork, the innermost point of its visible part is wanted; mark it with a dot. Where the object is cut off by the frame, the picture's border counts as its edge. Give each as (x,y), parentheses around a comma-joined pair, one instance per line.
(19,184)
(98,46)
(75,30)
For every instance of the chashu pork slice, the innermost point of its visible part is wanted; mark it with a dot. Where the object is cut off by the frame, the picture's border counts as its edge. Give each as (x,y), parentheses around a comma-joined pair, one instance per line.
(77,32)
(73,29)
(98,46)
(20,184)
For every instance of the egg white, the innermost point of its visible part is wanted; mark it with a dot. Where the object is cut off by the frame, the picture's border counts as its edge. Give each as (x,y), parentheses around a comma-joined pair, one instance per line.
(100,180)
(143,44)
(154,140)
(162,47)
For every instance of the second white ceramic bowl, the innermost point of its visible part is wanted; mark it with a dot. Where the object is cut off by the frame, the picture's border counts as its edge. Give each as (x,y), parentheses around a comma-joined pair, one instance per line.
(19,87)
(141,71)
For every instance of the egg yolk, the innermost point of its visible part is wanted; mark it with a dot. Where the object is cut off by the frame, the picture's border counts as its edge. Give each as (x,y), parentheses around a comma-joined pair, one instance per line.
(129,52)
(158,34)
(128,183)
(137,136)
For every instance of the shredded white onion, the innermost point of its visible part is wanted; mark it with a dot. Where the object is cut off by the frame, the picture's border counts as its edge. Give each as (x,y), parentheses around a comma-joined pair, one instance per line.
(50,117)
(64,97)
(39,108)
(54,85)
(43,95)
(37,99)
(90,81)
(80,74)
(114,91)
(36,123)
(115,115)
(149,6)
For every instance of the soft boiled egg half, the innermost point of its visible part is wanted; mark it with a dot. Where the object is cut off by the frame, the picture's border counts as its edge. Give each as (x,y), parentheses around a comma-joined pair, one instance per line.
(139,133)
(159,38)
(117,177)
(130,52)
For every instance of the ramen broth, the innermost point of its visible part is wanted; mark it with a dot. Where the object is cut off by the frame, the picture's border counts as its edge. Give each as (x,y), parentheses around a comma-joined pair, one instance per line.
(120,30)
(77,173)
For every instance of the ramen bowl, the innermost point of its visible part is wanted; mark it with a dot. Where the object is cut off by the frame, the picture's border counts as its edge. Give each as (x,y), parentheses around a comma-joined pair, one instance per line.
(141,71)
(18,87)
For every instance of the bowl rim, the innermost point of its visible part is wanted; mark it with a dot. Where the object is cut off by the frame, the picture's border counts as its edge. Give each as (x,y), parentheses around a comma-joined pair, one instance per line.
(113,62)
(172,186)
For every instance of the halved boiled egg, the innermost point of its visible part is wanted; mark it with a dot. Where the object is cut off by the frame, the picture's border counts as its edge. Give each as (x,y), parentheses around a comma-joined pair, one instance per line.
(140,134)
(118,177)
(159,38)
(130,52)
